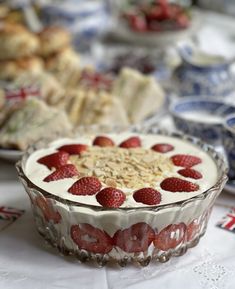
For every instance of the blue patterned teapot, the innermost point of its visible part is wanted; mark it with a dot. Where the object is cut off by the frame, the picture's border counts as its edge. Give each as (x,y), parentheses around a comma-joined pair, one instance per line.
(203,74)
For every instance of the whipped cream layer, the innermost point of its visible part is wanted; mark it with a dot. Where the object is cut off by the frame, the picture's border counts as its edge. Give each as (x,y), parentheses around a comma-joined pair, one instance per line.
(37,172)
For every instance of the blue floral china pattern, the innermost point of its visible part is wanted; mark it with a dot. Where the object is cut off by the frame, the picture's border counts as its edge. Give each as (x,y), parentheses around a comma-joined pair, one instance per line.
(210,132)
(212,78)
(229,143)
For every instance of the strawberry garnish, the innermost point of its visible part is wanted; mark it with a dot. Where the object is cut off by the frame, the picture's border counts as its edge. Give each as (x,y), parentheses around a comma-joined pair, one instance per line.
(190,173)
(162,148)
(170,237)
(85,186)
(186,161)
(66,171)
(103,141)
(47,210)
(91,239)
(73,149)
(135,239)
(178,185)
(147,196)
(110,197)
(132,142)
(192,230)
(54,160)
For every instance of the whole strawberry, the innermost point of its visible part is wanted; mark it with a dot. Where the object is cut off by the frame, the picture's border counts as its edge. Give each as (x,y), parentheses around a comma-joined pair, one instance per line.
(54,160)
(73,149)
(147,196)
(66,171)
(132,142)
(186,161)
(85,186)
(103,141)
(111,198)
(178,185)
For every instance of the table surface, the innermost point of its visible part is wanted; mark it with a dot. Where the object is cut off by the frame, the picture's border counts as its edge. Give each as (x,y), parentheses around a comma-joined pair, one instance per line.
(27,262)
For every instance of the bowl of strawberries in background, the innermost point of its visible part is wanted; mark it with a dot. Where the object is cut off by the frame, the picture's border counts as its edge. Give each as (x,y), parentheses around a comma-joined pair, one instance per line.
(155,22)
(108,232)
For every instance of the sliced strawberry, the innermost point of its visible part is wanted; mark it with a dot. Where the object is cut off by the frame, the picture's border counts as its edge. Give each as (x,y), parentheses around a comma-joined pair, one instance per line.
(85,186)
(147,196)
(190,173)
(111,197)
(47,210)
(186,161)
(192,230)
(66,171)
(134,239)
(103,141)
(73,149)
(178,185)
(132,142)
(91,239)
(162,148)
(170,237)
(55,160)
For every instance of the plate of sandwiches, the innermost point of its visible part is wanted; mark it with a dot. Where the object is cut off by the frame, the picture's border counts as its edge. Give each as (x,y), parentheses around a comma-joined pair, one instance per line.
(28,122)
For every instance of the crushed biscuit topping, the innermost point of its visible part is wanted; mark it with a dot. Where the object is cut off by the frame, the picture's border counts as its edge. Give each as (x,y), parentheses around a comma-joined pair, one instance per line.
(117,167)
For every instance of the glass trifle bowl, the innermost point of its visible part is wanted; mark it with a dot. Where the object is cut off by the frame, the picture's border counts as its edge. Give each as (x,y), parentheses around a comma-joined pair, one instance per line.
(153,202)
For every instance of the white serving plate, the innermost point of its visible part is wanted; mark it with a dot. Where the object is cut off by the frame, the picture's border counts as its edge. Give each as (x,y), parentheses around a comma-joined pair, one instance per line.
(160,39)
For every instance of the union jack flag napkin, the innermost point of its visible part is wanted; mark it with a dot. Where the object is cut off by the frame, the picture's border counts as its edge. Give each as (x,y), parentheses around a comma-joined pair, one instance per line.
(9,215)
(228,221)
(14,95)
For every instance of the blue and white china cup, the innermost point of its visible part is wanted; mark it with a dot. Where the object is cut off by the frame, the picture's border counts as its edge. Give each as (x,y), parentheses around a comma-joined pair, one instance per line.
(203,74)
(229,143)
(201,117)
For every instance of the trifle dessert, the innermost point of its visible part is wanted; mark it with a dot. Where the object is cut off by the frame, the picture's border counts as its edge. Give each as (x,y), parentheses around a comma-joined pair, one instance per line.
(123,196)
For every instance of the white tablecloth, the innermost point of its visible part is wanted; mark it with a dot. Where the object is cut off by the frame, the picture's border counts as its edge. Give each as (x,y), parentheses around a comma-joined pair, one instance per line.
(27,262)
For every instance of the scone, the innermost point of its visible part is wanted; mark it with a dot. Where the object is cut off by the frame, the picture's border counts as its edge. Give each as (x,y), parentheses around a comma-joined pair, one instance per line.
(11,69)
(4,10)
(16,42)
(62,60)
(52,40)
(141,95)
(65,66)
(32,121)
